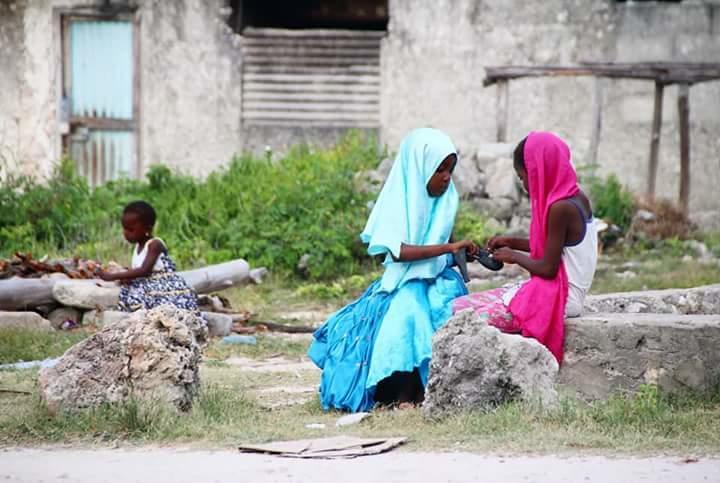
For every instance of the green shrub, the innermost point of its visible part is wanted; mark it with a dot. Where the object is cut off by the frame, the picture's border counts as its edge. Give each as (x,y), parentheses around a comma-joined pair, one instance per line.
(270,213)
(611,201)
(471,225)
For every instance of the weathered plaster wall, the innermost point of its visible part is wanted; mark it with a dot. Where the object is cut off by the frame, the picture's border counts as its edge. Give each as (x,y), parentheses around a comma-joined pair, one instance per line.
(26,108)
(189,83)
(11,60)
(433,71)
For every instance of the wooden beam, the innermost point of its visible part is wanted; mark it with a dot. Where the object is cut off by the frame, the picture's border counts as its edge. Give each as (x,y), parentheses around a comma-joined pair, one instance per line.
(684,120)
(596,122)
(655,139)
(667,72)
(502,110)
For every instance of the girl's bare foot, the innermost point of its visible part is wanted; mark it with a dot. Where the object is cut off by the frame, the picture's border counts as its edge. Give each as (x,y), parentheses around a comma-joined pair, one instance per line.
(406,405)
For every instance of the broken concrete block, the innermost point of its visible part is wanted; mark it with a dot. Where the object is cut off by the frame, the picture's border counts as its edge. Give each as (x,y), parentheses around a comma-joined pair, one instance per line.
(24,320)
(609,353)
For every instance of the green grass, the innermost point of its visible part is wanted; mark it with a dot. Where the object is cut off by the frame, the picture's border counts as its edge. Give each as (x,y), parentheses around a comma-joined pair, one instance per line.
(227,413)
(654,269)
(30,345)
(233,405)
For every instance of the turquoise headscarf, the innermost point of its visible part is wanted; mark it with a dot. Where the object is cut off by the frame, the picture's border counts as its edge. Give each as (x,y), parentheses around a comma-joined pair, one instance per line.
(405,212)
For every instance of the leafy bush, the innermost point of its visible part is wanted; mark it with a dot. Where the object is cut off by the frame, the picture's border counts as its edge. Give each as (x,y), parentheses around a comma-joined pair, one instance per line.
(471,225)
(611,201)
(270,213)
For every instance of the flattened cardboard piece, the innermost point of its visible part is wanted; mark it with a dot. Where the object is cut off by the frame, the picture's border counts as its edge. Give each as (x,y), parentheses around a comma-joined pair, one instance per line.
(326,448)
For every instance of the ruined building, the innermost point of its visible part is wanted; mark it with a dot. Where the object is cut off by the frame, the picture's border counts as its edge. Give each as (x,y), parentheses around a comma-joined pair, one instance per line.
(122,84)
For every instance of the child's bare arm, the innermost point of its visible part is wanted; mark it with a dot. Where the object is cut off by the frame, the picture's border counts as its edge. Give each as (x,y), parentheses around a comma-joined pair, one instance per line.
(546,267)
(515,243)
(155,248)
(410,253)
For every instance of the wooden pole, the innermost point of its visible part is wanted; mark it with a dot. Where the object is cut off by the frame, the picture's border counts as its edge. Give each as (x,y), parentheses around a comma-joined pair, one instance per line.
(684,120)
(655,139)
(502,110)
(596,122)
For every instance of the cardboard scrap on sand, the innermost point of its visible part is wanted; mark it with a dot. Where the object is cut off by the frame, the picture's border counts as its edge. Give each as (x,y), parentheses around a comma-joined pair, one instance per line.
(337,447)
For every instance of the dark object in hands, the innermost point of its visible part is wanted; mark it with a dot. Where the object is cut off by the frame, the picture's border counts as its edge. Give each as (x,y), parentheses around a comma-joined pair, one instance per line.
(483,256)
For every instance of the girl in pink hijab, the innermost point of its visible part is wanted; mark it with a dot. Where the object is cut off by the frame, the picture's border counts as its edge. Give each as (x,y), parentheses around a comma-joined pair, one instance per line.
(561,253)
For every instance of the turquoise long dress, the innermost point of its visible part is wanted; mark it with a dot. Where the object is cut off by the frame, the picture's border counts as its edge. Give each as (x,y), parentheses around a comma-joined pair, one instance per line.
(378,334)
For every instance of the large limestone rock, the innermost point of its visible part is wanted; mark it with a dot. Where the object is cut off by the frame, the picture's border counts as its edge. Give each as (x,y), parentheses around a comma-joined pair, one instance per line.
(23,320)
(469,179)
(487,153)
(88,294)
(502,180)
(499,208)
(698,300)
(153,354)
(475,365)
(609,353)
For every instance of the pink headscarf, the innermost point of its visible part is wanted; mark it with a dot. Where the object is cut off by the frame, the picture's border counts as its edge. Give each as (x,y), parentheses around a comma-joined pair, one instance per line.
(539,306)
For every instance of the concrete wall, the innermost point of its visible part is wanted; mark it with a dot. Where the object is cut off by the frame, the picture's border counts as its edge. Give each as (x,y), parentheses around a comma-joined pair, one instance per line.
(189,83)
(434,55)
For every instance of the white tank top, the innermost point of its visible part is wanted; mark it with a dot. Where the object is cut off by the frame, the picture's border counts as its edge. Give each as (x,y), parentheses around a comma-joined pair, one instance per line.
(139,257)
(580,260)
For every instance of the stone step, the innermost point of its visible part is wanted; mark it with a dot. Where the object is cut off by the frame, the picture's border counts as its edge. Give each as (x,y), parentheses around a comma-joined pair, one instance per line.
(607,353)
(697,300)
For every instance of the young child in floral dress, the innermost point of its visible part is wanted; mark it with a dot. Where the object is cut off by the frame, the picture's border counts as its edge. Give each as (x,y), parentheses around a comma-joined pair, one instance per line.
(152,279)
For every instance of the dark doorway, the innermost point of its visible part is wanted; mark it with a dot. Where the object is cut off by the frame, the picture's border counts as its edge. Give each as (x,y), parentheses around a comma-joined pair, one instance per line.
(310,14)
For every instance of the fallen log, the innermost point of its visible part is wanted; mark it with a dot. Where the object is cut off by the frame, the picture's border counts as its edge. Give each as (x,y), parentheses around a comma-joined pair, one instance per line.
(288,329)
(28,293)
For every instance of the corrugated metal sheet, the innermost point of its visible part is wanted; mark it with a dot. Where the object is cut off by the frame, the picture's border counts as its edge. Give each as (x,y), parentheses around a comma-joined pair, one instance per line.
(311,77)
(103,155)
(101,69)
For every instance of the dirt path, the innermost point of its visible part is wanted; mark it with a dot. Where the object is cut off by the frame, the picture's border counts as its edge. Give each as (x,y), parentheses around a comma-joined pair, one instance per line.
(176,465)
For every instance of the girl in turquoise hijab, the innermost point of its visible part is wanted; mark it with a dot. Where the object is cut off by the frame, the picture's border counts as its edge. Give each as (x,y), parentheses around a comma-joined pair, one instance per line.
(377,349)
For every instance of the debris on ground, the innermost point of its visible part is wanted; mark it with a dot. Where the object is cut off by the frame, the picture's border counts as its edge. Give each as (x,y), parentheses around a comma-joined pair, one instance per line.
(337,447)
(239,339)
(351,419)
(659,219)
(23,265)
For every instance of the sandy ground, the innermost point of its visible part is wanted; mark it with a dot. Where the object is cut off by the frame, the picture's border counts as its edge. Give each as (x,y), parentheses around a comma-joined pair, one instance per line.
(176,465)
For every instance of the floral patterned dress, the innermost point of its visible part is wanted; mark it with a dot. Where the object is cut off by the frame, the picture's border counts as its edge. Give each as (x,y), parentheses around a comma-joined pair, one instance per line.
(163,286)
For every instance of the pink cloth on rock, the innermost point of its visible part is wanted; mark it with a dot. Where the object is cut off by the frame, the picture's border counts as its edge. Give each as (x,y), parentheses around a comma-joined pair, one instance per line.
(489,304)
(539,305)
